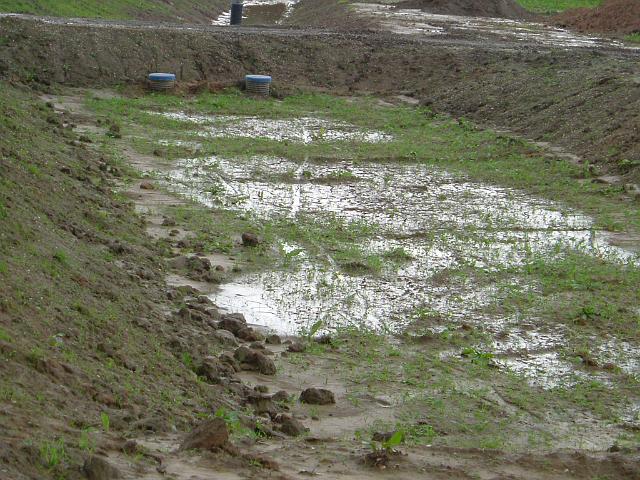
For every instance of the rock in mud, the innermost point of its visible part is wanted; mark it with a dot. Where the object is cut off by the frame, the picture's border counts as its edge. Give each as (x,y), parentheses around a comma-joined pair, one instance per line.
(193,264)
(147,186)
(209,435)
(156,424)
(131,447)
(297,347)
(225,337)
(273,340)
(280,396)
(317,396)
(214,370)
(253,360)
(250,239)
(248,334)
(233,322)
(97,468)
(228,359)
(168,222)
(290,426)
(262,403)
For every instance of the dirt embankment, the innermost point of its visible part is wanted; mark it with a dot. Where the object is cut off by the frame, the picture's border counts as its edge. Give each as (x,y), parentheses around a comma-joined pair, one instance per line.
(327,14)
(587,102)
(617,17)
(476,8)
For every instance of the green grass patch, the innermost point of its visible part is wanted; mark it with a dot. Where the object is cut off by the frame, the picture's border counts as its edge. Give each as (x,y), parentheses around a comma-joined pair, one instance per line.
(634,37)
(4,336)
(113,9)
(555,6)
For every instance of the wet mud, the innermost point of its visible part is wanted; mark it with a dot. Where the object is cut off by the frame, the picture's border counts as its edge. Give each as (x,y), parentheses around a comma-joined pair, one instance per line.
(440,222)
(425,224)
(408,21)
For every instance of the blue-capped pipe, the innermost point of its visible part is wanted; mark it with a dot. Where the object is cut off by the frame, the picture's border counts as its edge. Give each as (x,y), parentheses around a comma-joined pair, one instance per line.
(162,81)
(258,84)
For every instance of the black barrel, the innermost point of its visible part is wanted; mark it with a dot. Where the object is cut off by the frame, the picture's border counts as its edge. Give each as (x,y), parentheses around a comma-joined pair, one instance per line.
(236,13)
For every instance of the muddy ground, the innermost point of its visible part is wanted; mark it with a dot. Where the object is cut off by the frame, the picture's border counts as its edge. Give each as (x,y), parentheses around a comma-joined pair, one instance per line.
(206,258)
(376,384)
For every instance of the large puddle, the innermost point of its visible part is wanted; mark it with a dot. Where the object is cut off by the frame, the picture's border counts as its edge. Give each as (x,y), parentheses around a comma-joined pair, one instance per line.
(417,22)
(303,129)
(425,223)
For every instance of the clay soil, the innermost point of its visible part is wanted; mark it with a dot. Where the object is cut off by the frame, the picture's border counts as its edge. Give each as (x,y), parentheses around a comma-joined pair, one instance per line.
(613,17)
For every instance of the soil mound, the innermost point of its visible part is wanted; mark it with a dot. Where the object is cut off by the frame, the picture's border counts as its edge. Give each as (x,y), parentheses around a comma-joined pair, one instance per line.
(473,8)
(614,17)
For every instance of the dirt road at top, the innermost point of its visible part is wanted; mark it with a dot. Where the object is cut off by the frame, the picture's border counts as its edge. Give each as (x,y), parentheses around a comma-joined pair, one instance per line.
(446,30)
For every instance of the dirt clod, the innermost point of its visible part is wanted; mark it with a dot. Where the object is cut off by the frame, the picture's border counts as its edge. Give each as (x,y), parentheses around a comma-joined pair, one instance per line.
(254,360)
(250,239)
(290,426)
(248,334)
(317,396)
(225,337)
(297,347)
(233,322)
(209,435)
(98,468)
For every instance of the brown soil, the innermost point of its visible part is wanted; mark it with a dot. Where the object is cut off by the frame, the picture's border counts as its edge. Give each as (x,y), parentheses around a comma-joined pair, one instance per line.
(326,14)
(263,14)
(613,17)
(476,8)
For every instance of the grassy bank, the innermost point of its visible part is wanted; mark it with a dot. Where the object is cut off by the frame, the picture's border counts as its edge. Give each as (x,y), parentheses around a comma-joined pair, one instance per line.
(117,9)
(81,333)
(555,6)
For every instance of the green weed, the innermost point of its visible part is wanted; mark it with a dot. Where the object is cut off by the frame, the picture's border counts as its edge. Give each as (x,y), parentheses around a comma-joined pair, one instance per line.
(52,453)
(86,443)
(61,257)
(105,421)
(4,335)
(633,37)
